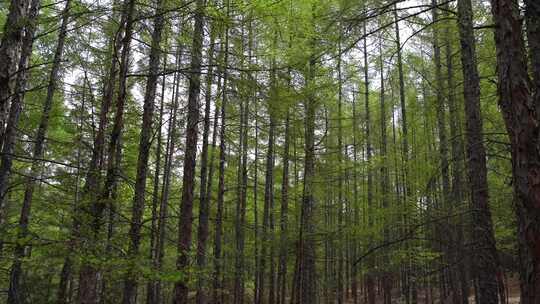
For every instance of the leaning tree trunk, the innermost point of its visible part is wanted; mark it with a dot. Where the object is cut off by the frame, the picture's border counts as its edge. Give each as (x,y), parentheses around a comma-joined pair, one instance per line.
(520,113)
(20,249)
(486,259)
(93,174)
(88,276)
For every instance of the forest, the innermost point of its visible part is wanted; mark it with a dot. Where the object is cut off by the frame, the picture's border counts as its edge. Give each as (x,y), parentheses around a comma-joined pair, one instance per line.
(270,151)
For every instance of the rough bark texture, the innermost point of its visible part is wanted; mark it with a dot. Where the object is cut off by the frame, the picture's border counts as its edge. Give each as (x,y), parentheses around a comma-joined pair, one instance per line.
(456,153)
(204,196)
(18,25)
(14,31)
(90,219)
(145,143)
(188,179)
(520,113)
(486,260)
(15,293)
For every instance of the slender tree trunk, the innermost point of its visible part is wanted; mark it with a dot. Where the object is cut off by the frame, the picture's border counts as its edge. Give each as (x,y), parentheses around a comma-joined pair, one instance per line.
(88,276)
(486,259)
(256,210)
(306,282)
(445,226)
(268,209)
(456,152)
(341,202)
(370,292)
(240,205)
(218,263)
(204,198)
(145,143)
(188,183)
(151,286)
(385,179)
(15,295)
(165,191)
(282,268)
(20,249)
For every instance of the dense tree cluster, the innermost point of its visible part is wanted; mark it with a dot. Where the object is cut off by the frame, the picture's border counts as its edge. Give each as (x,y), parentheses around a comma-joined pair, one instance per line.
(288,151)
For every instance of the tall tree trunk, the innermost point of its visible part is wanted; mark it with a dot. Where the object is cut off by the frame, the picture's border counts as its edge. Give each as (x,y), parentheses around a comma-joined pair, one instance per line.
(486,259)
(145,143)
(370,292)
(15,295)
(268,209)
(217,293)
(256,209)
(204,196)
(282,268)
(19,29)
(188,182)
(35,171)
(306,282)
(93,174)
(151,286)
(238,292)
(341,202)
(88,278)
(385,179)
(520,113)
(165,190)
(456,152)
(445,228)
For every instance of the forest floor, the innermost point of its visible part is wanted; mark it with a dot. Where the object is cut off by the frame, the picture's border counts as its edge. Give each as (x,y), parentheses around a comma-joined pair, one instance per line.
(512,287)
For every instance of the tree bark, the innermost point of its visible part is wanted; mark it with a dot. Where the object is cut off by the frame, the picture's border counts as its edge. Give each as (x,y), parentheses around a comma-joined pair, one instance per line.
(456,155)
(188,179)
(88,275)
(306,281)
(217,295)
(486,259)
(282,268)
(19,29)
(145,143)
(370,292)
(520,112)
(204,196)
(12,38)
